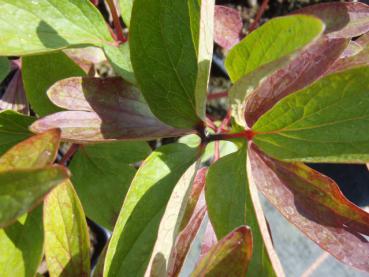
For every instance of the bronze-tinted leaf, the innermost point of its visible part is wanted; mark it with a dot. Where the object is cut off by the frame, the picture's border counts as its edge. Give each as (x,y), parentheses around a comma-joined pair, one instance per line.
(227,26)
(343,20)
(308,65)
(102,109)
(315,205)
(229,257)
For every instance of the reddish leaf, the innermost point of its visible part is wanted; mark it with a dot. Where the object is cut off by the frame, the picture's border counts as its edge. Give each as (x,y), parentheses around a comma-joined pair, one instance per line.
(14,97)
(197,188)
(102,109)
(343,20)
(352,49)
(229,257)
(363,41)
(309,65)
(360,59)
(86,58)
(183,242)
(227,26)
(210,239)
(315,205)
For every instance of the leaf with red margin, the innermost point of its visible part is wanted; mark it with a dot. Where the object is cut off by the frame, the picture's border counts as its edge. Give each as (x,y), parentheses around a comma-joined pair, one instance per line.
(315,205)
(229,257)
(227,26)
(183,242)
(306,67)
(347,63)
(193,199)
(67,243)
(102,109)
(343,20)
(37,151)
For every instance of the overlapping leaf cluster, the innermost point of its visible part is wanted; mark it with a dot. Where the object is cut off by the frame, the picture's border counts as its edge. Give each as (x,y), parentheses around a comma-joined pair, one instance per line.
(300,94)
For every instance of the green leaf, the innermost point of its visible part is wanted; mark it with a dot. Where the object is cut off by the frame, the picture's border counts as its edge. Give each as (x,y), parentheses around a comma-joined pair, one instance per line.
(202,26)
(230,204)
(4,68)
(138,223)
(22,245)
(170,224)
(67,243)
(13,129)
(40,72)
(38,151)
(48,25)
(164,59)
(120,59)
(126,10)
(277,38)
(229,257)
(22,190)
(99,171)
(326,122)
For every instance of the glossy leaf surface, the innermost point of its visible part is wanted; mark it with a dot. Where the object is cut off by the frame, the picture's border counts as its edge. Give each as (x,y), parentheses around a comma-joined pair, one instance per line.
(317,124)
(47,25)
(227,26)
(22,245)
(138,223)
(101,174)
(67,243)
(40,72)
(343,20)
(229,257)
(102,110)
(164,58)
(22,190)
(13,129)
(231,203)
(277,38)
(315,205)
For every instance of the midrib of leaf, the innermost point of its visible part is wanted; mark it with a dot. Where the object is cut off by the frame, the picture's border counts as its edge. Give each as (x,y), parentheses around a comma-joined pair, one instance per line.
(172,64)
(93,36)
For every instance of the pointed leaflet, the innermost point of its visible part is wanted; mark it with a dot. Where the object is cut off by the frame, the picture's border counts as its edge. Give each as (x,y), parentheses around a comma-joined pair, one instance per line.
(120,59)
(40,72)
(227,26)
(302,69)
(13,129)
(105,109)
(67,243)
(23,240)
(231,203)
(170,224)
(326,122)
(22,245)
(4,68)
(14,97)
(164,57)
(101,174)
(37,151)
(138,223)
(342,20)
(22,190)
(278,37)
(229,257)
(48,25)
(315,205)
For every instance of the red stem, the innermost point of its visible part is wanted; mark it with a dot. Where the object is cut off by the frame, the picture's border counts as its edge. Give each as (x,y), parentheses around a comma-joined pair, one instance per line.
(260,12)
(216,151)
(217,95)
(247,134)
(117,26)
(73,149)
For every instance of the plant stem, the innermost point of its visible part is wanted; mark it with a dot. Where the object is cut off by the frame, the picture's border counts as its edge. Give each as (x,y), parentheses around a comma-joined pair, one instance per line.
(247,134)
(260,12)
(117,26)
(217,95)
(73,149)
(216,151)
